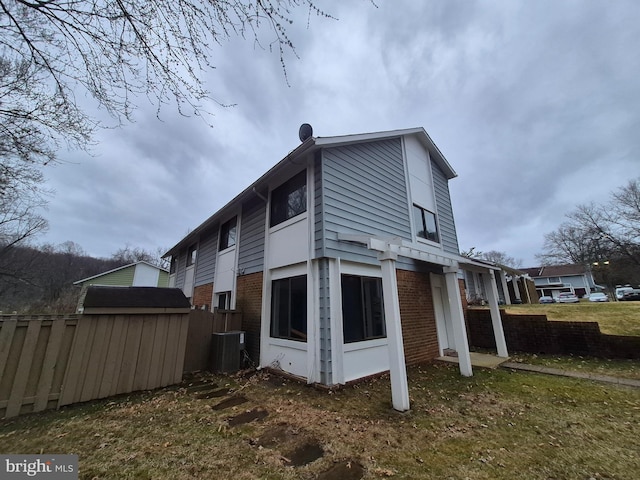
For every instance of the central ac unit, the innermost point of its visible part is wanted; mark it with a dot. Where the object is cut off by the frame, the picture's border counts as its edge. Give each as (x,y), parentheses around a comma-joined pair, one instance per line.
(226,351)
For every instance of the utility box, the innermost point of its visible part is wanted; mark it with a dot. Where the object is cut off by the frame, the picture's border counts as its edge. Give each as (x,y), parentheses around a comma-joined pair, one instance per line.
(227,350)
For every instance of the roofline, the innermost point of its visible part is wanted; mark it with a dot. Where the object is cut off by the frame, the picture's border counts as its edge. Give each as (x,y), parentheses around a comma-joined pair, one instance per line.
(312,144)
(120,268)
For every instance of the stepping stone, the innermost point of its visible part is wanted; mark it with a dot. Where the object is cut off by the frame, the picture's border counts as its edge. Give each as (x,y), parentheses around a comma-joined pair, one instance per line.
(305,454)
(230,402)
(345,470)
(213,394)
(247,417)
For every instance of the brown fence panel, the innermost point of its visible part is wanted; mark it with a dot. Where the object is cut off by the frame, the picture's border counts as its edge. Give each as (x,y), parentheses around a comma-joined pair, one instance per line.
(49,361)
(33,356)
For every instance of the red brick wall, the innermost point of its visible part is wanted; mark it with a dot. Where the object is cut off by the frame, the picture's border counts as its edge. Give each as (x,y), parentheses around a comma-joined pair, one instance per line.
(249,302)
(418,317)
(202,295)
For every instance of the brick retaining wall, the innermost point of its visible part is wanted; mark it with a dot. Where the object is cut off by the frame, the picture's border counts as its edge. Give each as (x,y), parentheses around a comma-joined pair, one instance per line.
(537,334)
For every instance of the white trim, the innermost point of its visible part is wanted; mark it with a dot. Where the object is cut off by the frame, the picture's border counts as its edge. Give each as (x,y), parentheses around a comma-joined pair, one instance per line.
(335,312)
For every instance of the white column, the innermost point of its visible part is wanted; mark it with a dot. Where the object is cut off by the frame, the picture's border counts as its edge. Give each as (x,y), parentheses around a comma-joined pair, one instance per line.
(397,366)
(498,332)
(457,320)
(505,288)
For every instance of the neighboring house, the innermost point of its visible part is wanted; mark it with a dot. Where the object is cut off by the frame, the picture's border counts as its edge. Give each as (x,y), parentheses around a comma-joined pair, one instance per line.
(554,279)
(343,259)
(138,274)
(514,286)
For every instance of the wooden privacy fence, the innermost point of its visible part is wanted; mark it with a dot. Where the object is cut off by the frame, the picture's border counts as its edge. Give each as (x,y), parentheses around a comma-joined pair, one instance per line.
(51,361)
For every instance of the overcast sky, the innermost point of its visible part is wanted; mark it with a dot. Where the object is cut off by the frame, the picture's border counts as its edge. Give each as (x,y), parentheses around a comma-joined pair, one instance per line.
(536,105)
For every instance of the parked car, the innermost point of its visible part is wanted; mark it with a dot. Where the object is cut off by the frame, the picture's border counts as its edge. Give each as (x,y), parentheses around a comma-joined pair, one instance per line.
(620,291)
(567,297)
(598,297)
(547,300)
(634,294)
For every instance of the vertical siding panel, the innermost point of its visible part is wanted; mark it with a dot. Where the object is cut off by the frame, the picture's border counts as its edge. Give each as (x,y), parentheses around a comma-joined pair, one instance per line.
(448,235)
(318,214)
(251,243)
(118,338)
(130,354)
(183,328)
(73,377)
(170,349)
(6,339)
(92,375)
(181,265)
(141,377)
(206,258)
(110,367)
(159,342)
(24,367)
(51,356)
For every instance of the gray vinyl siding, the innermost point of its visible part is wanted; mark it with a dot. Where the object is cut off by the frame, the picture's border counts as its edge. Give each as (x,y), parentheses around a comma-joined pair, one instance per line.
(317,204)
(448,235)
(206,258)
(251,245)
(181,265)
(365,192)
(325,321)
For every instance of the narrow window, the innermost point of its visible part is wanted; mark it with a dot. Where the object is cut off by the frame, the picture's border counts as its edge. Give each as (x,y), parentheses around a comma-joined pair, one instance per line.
(228,234)
(289,199)
(362,308)
(173,265)
(289,308)
(425,223)
(191,255)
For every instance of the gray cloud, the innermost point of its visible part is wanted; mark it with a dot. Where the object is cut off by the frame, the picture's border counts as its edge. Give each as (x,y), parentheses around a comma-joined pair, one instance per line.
(533,103)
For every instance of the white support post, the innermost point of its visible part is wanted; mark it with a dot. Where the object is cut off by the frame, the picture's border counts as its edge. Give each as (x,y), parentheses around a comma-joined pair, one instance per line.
(498,332)
(505,288)
(457,321)
(397,366)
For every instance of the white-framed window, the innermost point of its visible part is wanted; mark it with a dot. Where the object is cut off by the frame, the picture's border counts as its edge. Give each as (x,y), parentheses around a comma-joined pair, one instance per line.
(228,233)
(192,254)
(362,308)
(426,224)
(289,308)
(289,199)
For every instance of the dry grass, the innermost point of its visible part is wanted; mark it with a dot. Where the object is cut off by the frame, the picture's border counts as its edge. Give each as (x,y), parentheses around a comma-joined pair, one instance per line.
(614,318)
(496,425)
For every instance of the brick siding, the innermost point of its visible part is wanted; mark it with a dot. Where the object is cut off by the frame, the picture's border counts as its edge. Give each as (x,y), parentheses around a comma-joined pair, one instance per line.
(249,302)
(418,317)
(202,296)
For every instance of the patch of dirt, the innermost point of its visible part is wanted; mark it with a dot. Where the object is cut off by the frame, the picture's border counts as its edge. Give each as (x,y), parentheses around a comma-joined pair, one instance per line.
(247,417)
(213,394)
(202,386)
(304,454)
(230,402)
(274,436)
(344,470)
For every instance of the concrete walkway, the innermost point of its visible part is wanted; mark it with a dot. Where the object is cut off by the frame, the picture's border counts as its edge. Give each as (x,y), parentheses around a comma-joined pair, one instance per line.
(629,382)
(478,360)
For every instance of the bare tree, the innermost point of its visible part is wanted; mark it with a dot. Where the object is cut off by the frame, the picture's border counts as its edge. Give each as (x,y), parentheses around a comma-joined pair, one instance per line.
(594,232)
(500,258)
(116,51)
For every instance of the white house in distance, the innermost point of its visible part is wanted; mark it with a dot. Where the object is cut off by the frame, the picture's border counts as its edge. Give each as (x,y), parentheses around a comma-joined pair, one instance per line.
(343,259)
(555,279)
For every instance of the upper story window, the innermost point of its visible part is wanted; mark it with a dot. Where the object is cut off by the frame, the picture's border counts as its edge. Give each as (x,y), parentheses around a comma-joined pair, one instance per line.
(426,226)
(192,253)
(553,279)
(289,199)
(228,233)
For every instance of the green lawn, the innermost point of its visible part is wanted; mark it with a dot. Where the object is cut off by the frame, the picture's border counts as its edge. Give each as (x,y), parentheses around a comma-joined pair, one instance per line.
(614,318)
(497,424)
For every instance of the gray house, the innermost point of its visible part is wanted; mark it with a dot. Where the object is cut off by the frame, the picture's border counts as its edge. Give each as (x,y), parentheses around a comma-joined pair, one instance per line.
(553,280)
(343,259)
